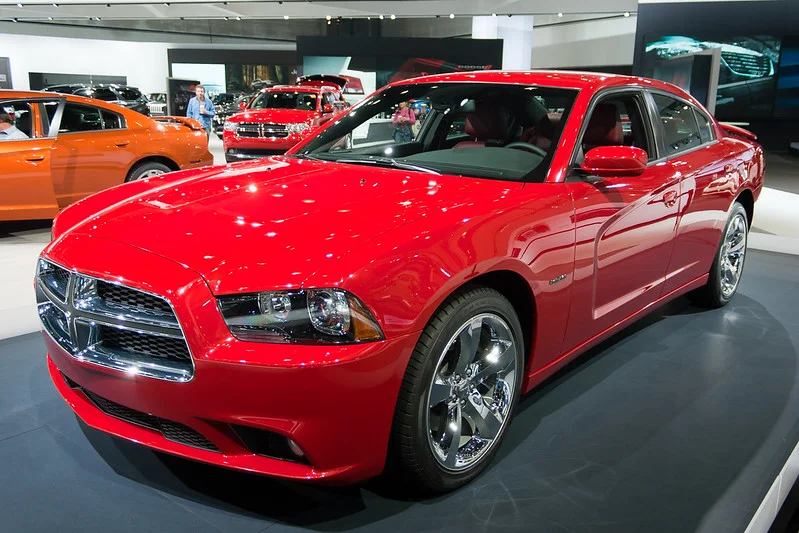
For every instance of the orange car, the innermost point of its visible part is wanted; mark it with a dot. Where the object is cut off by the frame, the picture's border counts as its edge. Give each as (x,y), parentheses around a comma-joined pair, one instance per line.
(77,146)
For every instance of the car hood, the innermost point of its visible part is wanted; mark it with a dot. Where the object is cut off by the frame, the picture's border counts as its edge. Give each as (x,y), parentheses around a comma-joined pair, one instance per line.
(272,223)
(273,116)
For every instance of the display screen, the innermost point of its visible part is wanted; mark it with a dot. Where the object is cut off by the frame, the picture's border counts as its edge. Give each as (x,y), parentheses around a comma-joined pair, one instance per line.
(787,102)
(747,71)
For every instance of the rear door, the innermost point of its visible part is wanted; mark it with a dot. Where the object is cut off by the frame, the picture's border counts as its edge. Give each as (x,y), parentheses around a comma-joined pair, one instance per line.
(707,185)
(94,151)
(625,226)
(26,188)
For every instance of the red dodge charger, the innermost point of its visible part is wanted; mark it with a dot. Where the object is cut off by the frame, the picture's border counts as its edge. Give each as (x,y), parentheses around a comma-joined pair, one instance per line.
(360,306)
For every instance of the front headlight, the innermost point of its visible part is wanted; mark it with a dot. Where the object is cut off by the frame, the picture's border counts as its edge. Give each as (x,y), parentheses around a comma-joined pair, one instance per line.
(230,126)
(314,316)
(296,128)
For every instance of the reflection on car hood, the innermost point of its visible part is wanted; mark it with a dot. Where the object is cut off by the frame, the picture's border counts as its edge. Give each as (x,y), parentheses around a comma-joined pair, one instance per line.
(274,116)
(272,223)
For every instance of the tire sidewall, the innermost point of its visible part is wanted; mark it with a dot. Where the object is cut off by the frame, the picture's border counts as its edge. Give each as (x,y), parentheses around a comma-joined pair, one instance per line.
(139,170)
(717,294)
(491,302)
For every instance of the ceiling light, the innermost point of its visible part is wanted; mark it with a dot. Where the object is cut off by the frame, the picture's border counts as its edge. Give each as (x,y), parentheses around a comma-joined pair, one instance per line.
(493,14)
(55,5)
(285,17)
(393,17)
(14,20)
(166,4)
(226,18)
(381,17)
(626,13)
(329,22)
(49,18)
(19,5)
(560,14)
(238,18)
(328,17)
(452,15)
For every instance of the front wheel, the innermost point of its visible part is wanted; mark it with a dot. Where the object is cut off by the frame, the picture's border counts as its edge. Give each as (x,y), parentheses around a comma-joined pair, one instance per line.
(459,391)
(728,265)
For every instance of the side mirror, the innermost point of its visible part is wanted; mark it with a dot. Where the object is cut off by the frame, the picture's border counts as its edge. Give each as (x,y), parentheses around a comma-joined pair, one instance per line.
(327,108)
(615,161)
(242,105)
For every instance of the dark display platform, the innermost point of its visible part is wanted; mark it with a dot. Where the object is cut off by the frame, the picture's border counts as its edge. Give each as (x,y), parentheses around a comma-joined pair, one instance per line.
(680,423)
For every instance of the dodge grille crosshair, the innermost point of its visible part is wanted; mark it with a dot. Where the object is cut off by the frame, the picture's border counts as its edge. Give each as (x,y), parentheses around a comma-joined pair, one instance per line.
(112,325)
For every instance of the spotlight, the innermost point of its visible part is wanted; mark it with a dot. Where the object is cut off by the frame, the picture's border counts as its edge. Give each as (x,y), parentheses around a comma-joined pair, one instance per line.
(226,18)
(493,14)
(166,4)
(393,17)
(452,15)
(381,17)
(285,17)
(626,13)
(19,5)
(328,17)
(55,5)
(15,20)
(560,14)
(329,22)
(49,18)
(238,18)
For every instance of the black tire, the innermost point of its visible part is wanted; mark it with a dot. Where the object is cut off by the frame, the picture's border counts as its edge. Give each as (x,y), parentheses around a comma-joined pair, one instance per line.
(712,294)
(411,458)
(147,169)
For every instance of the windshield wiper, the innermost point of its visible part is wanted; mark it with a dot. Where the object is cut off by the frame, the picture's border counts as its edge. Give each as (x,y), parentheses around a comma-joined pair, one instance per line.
(388,162)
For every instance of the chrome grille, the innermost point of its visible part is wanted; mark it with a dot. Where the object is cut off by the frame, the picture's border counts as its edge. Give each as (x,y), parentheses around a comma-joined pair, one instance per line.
(112,325)
(752,66)
(257,129)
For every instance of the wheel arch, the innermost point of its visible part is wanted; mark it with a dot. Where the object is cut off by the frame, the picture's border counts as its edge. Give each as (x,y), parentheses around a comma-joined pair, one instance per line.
(152,159)
(747,199)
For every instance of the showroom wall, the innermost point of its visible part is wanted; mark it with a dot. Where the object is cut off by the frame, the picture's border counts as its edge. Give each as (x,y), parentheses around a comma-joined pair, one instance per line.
(144,64)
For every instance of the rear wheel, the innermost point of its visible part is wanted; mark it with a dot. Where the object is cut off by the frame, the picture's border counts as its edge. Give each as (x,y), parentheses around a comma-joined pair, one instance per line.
(459,392)
(728,266)
(147,170)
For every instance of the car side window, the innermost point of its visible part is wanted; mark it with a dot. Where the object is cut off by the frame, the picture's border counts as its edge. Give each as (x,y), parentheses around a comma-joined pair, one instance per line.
(679,127)
(616,120)
(705,127)
(112,121)
(84,92)
(79,118)
(22,115)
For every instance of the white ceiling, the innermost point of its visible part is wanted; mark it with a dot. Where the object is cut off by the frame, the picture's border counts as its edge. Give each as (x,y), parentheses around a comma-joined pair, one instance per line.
(305,9)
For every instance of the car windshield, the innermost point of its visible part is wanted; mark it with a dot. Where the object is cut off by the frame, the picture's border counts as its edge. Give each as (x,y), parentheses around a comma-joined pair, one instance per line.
(103,93)
(158,97)
(224,98)
(129,94)
(303,101)
(495,131)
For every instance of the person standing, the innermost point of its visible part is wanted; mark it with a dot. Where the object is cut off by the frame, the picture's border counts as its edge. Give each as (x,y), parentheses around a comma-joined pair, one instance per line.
(403,121)
(202,110)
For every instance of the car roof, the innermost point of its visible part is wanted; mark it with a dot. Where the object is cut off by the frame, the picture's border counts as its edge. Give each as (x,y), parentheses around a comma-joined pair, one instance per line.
(552,78)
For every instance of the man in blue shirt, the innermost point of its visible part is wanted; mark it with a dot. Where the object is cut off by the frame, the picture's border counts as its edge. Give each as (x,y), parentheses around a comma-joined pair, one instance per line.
(201,109)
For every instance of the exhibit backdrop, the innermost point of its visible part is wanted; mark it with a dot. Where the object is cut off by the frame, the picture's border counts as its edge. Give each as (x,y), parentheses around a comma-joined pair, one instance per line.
(758,45)
(5,73)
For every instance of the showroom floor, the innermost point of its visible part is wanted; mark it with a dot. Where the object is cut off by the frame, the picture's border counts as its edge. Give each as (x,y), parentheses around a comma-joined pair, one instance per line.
(680,423)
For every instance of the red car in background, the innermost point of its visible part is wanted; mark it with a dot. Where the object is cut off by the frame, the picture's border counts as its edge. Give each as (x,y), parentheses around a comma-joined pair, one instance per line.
(342,310)
(279,117)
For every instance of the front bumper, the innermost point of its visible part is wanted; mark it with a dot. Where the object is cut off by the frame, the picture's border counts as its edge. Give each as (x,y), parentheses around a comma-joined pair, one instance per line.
(241,148)
(335,402)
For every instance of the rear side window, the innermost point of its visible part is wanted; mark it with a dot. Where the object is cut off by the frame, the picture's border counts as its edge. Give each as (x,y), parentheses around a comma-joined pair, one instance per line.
(705,127)
(680,130)
(22,115)
(112,121)
(79,118)
(104,94)
(129,94)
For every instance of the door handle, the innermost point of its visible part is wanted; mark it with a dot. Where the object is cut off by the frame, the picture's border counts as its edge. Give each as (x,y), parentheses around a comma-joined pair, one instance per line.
(122,144)
(34,158)
(670,198)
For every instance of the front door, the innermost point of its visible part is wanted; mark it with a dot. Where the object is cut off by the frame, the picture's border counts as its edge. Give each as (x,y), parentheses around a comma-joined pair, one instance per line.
(26,189)
(625,226)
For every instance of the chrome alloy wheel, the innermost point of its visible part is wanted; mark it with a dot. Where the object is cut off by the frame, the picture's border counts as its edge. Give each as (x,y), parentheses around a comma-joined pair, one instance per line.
(733,252)
(152,173)
(472,392)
